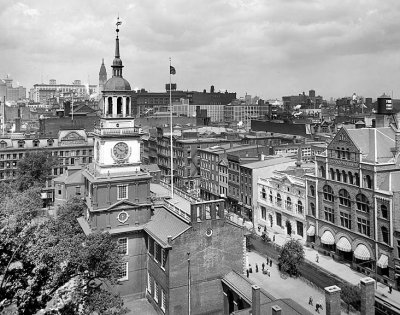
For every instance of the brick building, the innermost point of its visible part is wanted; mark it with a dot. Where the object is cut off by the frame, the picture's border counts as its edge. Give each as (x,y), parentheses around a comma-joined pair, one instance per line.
(353,201)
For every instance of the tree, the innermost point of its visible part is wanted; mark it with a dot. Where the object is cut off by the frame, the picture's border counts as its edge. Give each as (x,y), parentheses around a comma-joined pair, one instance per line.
(351,295)
(291,257)
(54,264)
(34,169)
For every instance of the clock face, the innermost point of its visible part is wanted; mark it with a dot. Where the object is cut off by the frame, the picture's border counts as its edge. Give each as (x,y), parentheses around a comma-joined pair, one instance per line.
(121,150)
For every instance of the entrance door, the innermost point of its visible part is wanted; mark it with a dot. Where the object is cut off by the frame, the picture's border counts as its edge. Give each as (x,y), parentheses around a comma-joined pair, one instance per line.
(288,228)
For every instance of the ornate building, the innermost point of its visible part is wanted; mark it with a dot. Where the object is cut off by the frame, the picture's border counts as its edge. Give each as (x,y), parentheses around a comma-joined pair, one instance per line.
(102,77)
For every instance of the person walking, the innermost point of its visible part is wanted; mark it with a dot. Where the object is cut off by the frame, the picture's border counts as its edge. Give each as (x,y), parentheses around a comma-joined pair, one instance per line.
(310,300)
(262,266)
(390,288)
(247,272)
(317,257)
(267,261)
(270,262)
(256,268)
(317,308)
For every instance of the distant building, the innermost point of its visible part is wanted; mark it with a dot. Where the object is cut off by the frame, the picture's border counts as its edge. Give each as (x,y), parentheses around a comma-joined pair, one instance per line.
(11,94)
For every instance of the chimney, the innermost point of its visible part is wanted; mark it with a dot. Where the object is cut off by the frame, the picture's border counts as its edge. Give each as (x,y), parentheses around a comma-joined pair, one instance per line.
(367,296)
(332,300)
(169,239)
(276,310)
(255,300)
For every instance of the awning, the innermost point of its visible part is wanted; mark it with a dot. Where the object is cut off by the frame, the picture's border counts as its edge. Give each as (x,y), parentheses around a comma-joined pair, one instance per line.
(311,230)
(362,252)
(343,244)
(327,238)
(382,261)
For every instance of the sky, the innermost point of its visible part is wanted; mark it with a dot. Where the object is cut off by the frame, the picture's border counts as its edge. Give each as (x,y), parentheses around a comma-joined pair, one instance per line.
(267,48)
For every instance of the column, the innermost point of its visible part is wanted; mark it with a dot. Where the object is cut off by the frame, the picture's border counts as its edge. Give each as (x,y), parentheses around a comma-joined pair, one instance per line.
(123,106)
(114,101)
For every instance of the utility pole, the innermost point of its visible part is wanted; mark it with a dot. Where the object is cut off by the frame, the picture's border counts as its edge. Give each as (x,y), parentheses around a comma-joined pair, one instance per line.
(189,282)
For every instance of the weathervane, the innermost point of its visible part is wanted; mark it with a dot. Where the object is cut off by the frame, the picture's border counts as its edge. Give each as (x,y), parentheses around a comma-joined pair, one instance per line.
(118,24)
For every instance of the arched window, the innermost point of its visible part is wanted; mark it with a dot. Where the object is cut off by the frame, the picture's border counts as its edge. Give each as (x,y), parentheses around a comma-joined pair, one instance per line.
(344,198)
(385,234)
(119,105)
(263,193)
(362,203)
(312,209)
(127,106)
(299,207)
(348,153)
(384,211)
(312,190)
(21,143)
(110,106)
(338,175)
(278,200)
(350,178)
(288,203)
(357,179)
(36,142)
(332,173)
(270,196)
(328,193)
(322,172)
(344,176)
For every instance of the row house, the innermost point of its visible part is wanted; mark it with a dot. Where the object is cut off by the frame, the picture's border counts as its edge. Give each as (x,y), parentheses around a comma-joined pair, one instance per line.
(353,201)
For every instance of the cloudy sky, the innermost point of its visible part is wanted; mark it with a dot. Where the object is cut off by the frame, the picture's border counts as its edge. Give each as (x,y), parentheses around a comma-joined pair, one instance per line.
(268,48)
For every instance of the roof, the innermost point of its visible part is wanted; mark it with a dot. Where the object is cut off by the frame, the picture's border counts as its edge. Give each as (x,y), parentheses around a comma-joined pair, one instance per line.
(117,84)
(268,162)
(177,201)
(374,143)
(242,286)
(150,168)
(163,224)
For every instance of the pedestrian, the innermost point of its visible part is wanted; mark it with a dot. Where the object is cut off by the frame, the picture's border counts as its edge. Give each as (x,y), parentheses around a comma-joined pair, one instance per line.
(317,257)
(273,238)
(262,266)
(250,269)
(310,300)
(247,272)
(390,288)
(269,272)
(256,268)
(317,308)
(267,261)
(270,262)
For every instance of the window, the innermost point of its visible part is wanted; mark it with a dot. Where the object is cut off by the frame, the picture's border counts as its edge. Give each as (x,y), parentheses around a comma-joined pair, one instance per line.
(122,191)
(363,226)
(329,214)
(156,289)
(163,300)
(344,176)
(77,190)
(299,207)
(345,220)
(149,282)
(344,198)
(385,234)
(279,219)
(312,190)
(21,143)
(151,246)
(123,272)
(312,208)
(270,196)
(163,258)
(157,253)
(279,200)
(288,203)
(263,213)
(300,228)
(123,245)
(384,211)
(36,143)
(328,193)
(362,203)
(368,181)
(263,193)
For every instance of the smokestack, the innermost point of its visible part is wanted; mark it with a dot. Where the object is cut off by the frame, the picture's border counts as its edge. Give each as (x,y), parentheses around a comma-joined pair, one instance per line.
(255,300)
(332,300)
(367,296)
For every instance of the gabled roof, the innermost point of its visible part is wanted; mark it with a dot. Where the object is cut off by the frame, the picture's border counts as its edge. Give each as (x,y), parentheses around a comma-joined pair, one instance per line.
(163,224)
(374,143)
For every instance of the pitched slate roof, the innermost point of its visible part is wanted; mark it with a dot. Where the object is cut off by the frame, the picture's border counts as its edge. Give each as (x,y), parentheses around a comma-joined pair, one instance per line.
(163,224)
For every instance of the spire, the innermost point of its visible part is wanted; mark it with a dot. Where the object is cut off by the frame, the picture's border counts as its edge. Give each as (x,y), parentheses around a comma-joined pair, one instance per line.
(117,63)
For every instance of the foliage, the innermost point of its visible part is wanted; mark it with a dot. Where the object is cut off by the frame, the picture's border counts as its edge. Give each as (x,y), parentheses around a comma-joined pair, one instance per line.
(50,263)
(351,295)
(34,169)
(291,257)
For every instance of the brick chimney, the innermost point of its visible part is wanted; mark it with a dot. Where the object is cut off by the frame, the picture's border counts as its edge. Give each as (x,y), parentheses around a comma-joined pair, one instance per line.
(276,310)
(255,300)
(367,296)
(332,300)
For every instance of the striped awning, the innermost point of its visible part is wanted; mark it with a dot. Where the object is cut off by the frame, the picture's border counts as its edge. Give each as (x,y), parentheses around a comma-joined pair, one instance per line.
(383,261)
(311,230)
(327,238)
(343,244)
(362,252)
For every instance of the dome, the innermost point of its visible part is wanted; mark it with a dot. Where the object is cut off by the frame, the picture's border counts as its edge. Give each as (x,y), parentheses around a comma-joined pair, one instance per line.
(117,84)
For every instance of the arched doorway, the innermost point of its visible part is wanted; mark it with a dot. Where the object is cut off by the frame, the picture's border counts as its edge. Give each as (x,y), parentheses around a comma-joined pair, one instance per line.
(289,228)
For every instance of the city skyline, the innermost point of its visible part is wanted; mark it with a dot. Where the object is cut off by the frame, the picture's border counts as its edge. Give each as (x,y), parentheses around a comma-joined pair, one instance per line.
(264,48)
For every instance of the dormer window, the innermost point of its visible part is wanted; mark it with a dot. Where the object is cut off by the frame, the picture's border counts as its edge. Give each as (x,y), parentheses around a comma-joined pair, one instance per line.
(50,142)
(21,143)
(36,142)
(3,144)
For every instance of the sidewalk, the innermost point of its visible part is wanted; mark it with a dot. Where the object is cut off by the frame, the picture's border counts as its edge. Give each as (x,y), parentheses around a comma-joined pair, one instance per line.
(343,271)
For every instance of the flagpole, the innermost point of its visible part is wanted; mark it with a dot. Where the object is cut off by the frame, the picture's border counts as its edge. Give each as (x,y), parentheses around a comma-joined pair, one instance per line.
(170,125)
